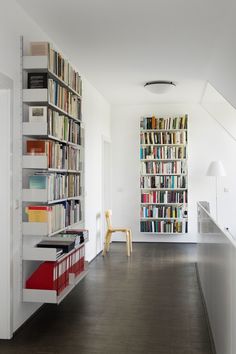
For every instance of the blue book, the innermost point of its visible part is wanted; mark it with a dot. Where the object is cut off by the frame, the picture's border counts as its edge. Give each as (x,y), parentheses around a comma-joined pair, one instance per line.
(38,182)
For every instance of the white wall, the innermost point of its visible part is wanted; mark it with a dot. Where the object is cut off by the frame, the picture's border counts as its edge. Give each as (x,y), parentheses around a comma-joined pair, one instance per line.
(96,117)
(14,23)
(222,69)
(207,142)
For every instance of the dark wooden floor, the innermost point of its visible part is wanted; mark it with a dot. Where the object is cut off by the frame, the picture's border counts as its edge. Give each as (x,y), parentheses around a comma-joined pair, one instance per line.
(148,304)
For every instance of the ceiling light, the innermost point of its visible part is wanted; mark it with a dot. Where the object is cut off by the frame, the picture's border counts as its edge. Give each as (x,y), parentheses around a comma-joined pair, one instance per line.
(160,86)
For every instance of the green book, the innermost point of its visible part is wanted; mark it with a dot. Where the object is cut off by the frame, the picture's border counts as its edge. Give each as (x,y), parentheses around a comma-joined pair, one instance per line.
(38,182)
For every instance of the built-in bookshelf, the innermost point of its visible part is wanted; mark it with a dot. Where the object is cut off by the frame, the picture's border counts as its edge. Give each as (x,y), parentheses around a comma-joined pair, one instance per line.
(164,175)
(52,174)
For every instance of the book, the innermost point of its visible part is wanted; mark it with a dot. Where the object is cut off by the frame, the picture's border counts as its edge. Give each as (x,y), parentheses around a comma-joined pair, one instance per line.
(38,114)
(39,213)
(39,48)
(65,245)
(38,182)
(37,80)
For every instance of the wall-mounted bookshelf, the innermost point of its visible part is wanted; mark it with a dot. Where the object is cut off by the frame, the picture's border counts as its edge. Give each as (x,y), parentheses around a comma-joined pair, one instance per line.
(164,175)
(52,175)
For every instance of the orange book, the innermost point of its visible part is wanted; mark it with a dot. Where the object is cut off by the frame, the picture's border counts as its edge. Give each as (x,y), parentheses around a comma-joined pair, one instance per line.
(36,147)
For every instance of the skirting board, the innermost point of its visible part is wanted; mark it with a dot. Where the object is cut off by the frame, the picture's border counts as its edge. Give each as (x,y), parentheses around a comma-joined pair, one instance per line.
(183,238)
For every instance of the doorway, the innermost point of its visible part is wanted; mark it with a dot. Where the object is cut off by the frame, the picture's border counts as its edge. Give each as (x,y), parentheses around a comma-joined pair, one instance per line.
(106,182)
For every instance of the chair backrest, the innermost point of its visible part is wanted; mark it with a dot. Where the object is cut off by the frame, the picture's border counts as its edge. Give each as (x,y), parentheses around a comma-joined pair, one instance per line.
(108,214)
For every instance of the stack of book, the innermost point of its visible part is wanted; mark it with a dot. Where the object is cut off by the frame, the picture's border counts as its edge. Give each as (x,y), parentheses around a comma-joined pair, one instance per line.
(61,67)
(59,156)
(64,99)
(164,197)
(164,226)
(55,184)
(58,65)
(57,216)
(163,182)
(74,185)
(154,211)
(174,138)
(153,167)
(73,158)
(164,123)
(58,125)
(164,152)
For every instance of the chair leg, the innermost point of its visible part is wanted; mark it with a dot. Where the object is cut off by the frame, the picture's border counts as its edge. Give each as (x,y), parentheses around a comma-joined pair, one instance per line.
(127,243)
(105,243)
(130,241)
(109,241)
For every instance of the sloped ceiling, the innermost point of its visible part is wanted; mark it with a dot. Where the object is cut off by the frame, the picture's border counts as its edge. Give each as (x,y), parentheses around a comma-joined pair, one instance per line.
(119,45)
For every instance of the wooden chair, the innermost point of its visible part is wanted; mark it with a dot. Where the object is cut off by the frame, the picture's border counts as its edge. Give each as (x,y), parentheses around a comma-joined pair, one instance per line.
(110,231)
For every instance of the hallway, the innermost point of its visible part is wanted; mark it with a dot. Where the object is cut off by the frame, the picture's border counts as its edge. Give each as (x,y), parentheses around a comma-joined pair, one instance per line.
(148,304)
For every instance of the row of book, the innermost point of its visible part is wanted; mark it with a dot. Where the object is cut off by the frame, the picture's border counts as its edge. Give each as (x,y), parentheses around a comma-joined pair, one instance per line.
(56,216)
(57,64)
(156,167)
(163,182)
(164,197)
(153,211)
(59,156)
(61,67)
(150,138)
(163,226)
(164,123)
(63,128)
(58,186)
(163,152)
(64,99)
(55,275)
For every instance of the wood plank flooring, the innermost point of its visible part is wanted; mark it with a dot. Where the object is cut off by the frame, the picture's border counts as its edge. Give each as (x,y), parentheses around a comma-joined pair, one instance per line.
(147,304)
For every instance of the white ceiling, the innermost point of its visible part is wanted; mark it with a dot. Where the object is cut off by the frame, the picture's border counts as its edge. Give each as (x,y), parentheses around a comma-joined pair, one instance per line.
(119,45)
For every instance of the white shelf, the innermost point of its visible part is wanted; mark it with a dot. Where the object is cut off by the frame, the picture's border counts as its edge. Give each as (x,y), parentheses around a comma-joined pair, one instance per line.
(40,63)
(163,159)
(38,129)
(179,219)
(164,144)
(35,62)
(145,159)
(162,130)
(35,95)
(50,296)
(163,174)
(164,189)
(44,253)
(35,195)
(41,228)
(164,203)
(41,96)
(163,233)
(35,162)
(35,228)
(41,195)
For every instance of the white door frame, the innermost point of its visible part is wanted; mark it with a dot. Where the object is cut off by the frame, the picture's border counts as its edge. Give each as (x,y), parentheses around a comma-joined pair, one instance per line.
(106,140)
(6,215)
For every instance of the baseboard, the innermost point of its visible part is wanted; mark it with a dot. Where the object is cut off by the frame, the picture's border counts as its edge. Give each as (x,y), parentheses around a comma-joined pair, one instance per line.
(93,259)
(166,242)
(206,313)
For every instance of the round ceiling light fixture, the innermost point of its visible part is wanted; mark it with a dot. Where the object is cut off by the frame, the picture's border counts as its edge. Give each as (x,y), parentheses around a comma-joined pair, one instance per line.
(159,86)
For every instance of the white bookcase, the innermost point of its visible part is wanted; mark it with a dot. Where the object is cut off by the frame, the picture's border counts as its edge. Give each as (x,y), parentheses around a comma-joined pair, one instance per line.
(33,232)
(164,175)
